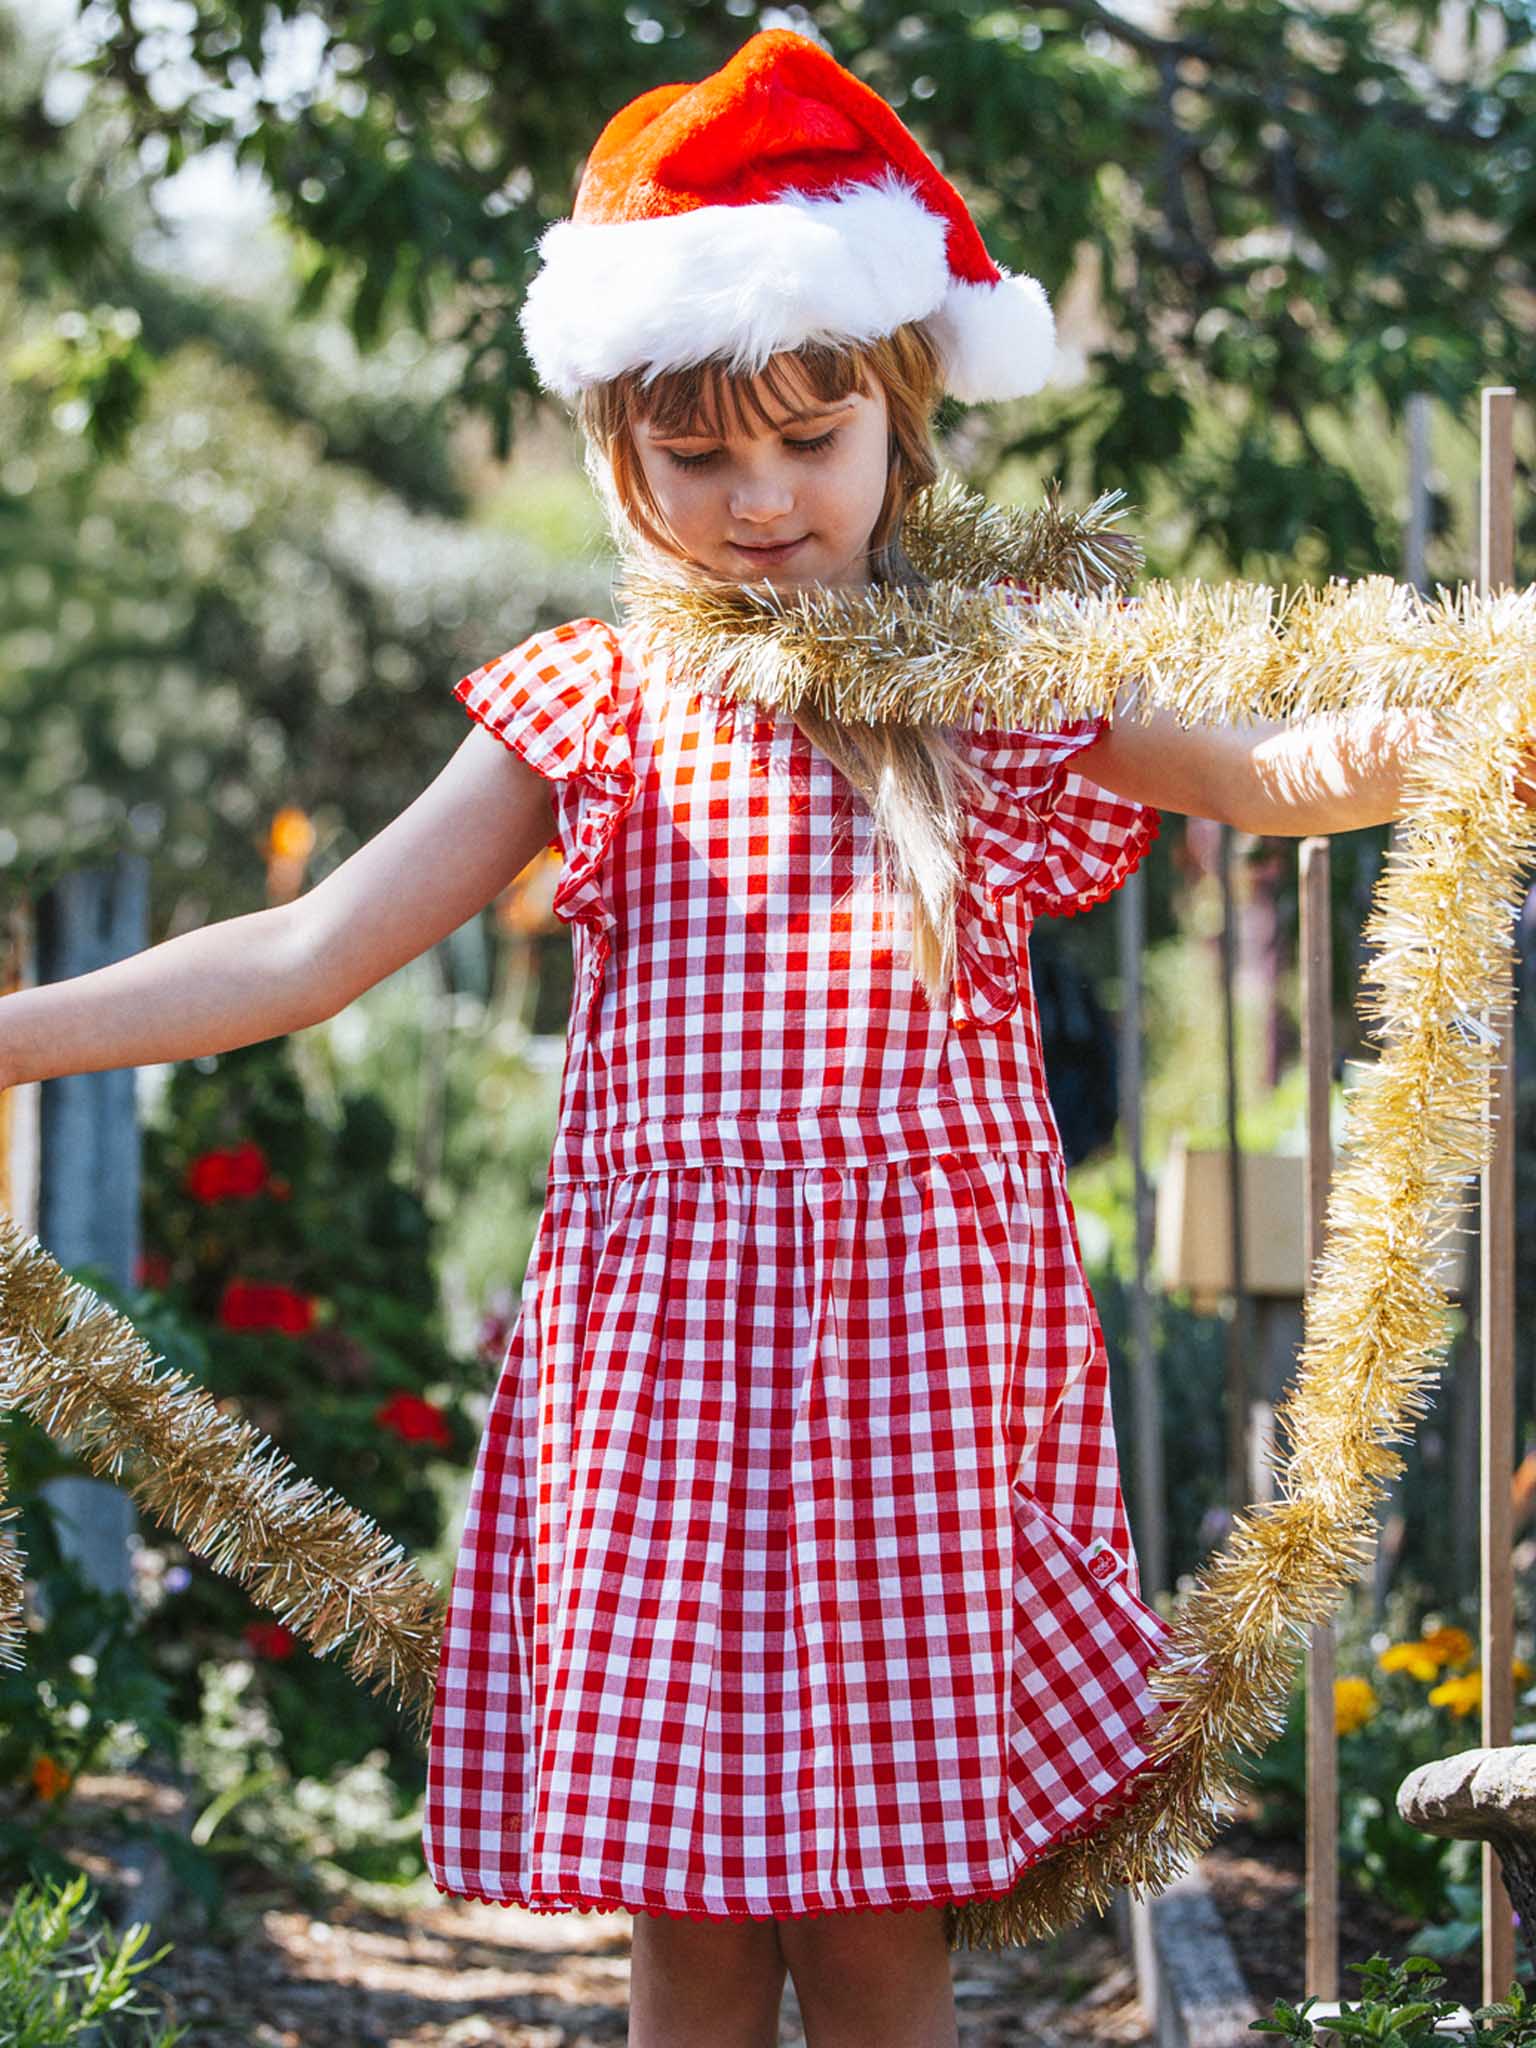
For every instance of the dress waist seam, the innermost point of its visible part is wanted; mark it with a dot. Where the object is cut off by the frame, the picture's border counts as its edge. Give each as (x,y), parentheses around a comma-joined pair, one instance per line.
(941,1129)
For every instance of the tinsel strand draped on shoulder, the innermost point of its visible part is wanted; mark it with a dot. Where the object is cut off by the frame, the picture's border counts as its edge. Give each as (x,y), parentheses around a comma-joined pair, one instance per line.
(1417,1131)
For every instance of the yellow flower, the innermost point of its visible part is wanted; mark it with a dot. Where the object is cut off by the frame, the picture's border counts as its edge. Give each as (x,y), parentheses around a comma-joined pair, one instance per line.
(1353,1704)
(48,1778)
(1417,1659)
(290,836)
(1520,1669)
(1451,1645)
(1462,1695)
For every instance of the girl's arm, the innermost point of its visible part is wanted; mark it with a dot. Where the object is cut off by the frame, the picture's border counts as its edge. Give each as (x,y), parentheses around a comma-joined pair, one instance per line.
(1266,776)
(278,970)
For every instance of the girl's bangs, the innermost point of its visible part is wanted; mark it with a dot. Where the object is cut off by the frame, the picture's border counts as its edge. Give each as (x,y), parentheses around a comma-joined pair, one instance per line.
(702,398)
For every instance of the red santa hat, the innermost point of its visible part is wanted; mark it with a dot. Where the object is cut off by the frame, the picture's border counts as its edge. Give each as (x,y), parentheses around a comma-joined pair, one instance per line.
(778,202)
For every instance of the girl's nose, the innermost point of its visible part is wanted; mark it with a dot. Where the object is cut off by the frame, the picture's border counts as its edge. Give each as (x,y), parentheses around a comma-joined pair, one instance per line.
(761,500)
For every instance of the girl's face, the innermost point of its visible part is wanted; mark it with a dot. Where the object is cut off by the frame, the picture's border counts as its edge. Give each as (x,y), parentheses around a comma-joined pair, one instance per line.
(791,503)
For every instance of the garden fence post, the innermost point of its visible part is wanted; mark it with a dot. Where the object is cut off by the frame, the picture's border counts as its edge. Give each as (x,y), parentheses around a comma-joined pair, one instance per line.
(1240,1329)
(1151,1531)
(1416,535)
(1322,1958)
(1496,570)
(1134,1915)
(19,1107)
(88,1190)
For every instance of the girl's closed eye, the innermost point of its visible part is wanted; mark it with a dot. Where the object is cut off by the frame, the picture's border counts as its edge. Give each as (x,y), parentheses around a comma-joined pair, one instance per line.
(805,447)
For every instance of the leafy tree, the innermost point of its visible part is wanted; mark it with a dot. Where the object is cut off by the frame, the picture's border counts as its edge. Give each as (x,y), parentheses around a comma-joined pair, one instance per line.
(218,622)
(234,571)
(1289,215)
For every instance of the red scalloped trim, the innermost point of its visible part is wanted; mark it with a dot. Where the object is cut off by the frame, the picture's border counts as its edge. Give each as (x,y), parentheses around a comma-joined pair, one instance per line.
(1148,827)
(1109,1808)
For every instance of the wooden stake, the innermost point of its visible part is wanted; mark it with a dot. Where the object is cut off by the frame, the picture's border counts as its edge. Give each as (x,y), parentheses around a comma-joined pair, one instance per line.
(1151,1530)
(1496,570)
(1322,1972)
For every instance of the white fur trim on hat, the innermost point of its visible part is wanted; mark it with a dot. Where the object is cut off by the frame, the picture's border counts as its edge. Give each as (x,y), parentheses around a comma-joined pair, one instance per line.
(999,340)
(743,282)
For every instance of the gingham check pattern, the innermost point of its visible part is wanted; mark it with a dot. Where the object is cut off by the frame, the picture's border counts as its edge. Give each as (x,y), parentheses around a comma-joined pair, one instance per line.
(774,1594)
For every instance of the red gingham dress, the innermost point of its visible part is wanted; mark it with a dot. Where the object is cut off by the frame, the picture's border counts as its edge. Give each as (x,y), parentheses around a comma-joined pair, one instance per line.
(796,1576)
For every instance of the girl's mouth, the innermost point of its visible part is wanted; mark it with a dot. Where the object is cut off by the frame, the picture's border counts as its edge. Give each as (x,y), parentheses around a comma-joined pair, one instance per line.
(780,553)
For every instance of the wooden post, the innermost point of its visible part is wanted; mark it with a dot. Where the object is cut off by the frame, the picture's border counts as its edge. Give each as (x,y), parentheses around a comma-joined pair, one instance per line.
(1240,1327)
(19,1137)
(1416,537)
(1322,1978)
(1496,570)
(1151,1531)
(88,1209)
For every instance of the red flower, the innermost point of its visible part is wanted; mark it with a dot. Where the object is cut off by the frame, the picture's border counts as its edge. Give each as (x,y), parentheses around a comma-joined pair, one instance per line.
(414,1419)
(279,1189)
(271,1640)
(233,1174)
(152,1270)
(248,1305)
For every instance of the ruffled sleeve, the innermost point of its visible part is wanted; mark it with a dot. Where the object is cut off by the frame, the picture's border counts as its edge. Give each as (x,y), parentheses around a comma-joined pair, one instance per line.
(1093,838)
(1041,831)
(554,702)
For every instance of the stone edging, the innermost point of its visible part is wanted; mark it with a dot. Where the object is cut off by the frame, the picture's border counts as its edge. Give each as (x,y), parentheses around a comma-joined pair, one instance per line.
(1190,1980)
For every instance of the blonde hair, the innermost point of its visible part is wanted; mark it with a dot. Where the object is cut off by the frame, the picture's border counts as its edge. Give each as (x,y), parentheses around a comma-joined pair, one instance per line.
(912,777)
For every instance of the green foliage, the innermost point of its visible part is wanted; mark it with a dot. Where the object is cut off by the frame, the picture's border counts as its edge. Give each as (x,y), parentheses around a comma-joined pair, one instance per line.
(233,573)
(312,1832)
(218,623)
(1397,2009)
(64,1981)
(1426,1876)
(1284,212)
(88,1692)
(285,1241)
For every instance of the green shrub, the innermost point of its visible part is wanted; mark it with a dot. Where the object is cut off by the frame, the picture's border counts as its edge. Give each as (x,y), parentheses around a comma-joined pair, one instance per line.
(87,1697)
(1398,2010)
(303,1263)
(64,1982)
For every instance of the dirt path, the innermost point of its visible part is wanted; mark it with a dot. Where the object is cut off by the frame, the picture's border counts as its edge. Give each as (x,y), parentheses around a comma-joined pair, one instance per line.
(411,1969)
(454,1974)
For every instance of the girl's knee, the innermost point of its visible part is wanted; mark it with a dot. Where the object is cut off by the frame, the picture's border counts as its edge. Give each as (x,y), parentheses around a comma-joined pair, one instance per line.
(704,1983)
(871,1949)
(873,1978)
(873,1933)
(722,1943)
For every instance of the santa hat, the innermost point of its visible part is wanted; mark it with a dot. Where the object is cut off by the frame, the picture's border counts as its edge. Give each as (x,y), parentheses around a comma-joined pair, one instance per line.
(778,202)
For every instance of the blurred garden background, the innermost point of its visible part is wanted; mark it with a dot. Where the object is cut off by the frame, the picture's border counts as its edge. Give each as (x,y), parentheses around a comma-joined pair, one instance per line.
(274,474)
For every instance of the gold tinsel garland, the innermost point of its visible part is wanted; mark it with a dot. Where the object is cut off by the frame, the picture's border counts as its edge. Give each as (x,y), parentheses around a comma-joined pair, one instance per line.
(13,1579)
(82,1372)
(1417,1135)
(1211,654)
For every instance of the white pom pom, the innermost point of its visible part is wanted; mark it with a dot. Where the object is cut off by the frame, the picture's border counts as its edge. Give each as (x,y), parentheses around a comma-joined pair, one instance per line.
(999,340)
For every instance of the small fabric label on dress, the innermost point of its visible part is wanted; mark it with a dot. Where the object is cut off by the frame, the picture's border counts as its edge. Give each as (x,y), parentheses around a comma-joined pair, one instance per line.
(1103,1563)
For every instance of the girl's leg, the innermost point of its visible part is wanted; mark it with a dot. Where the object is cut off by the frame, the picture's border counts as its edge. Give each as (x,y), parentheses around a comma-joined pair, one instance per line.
(704,1983)
(872,1980)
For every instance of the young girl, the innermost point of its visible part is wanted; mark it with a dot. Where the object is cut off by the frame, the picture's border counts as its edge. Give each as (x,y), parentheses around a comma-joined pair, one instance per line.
(796,1601)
